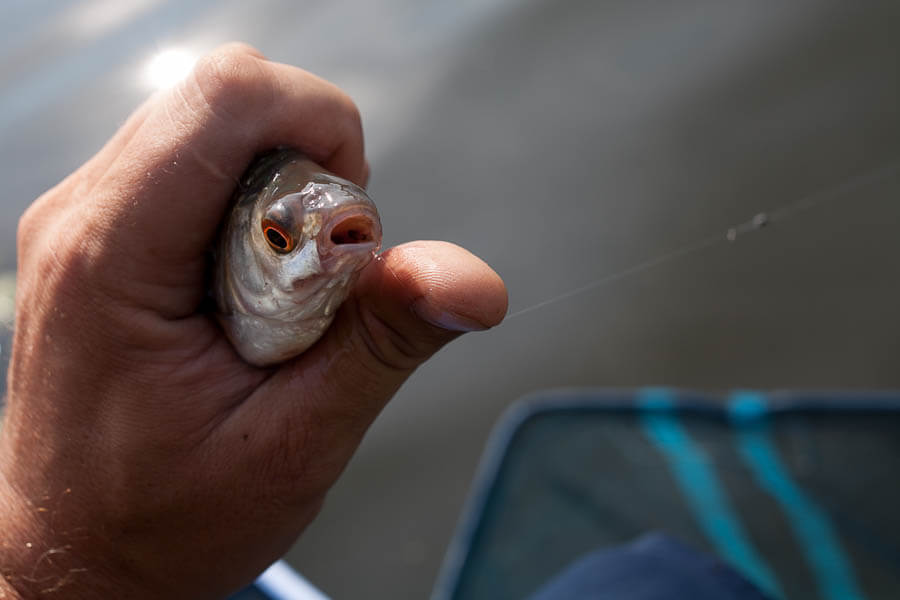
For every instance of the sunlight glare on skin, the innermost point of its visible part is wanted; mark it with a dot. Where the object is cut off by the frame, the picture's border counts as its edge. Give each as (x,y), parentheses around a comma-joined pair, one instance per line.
(168,67)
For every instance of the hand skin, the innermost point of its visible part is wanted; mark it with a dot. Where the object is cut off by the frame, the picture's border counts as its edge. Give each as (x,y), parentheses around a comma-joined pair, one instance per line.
(140,456)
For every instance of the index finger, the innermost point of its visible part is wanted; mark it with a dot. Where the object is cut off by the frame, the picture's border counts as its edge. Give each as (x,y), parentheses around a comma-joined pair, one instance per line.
(167,190)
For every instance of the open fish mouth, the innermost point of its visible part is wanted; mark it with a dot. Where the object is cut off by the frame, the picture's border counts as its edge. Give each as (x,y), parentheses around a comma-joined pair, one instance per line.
(355,230)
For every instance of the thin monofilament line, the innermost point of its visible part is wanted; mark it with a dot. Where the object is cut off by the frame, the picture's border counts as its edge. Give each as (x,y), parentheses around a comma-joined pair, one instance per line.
(612,277)
(758,221)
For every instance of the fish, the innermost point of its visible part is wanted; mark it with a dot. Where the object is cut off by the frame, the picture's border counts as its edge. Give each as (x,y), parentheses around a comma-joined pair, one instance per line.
(289,251)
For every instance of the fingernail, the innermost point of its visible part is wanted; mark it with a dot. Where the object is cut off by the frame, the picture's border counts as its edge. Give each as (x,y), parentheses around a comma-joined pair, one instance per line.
(445,319)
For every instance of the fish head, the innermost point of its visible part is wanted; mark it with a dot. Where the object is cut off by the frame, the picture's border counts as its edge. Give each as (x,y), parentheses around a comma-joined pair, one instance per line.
(312,239)
(291,249)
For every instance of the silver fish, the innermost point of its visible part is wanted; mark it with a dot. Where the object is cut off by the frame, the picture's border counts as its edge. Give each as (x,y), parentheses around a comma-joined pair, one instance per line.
(290,250)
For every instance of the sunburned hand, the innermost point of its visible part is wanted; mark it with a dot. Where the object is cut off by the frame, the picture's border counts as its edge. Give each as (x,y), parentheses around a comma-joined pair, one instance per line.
(140,456)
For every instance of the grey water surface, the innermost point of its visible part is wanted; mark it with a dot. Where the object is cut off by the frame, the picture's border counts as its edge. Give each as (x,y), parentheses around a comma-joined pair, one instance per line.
(563,142)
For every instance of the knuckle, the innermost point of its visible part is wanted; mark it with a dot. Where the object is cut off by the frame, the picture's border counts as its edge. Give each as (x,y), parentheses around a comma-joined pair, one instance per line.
(231,82)
(350,119)
(37,218)
(35,228)
(26,229)
(351,114)
(389,347)
(54,242)
(240,48)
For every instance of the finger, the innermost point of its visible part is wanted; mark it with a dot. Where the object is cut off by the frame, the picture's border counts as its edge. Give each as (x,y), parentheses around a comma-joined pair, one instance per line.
(69,194)
(103,159)
(241,48)
(98,164)
(92,170)
(167,191)
(405,307)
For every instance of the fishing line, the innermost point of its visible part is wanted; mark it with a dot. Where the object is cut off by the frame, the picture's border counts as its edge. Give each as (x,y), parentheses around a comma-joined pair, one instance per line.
(779,214)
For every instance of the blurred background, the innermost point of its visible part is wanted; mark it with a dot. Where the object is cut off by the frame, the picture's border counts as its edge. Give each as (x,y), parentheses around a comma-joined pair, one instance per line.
(566,143)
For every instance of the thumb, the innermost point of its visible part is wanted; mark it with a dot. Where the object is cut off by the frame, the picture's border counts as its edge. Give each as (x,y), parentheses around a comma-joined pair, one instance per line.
(417,297)
(406,305)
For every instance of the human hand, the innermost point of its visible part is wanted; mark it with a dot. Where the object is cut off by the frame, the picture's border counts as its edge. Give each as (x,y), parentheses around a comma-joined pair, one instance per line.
(140,456)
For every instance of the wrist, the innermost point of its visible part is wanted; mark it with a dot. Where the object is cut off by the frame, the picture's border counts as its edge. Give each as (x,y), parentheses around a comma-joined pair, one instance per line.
(44,551)
(7,591)
(20,545)
(29,557)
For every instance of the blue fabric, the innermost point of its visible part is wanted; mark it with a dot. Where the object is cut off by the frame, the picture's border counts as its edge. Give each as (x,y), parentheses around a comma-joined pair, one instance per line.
(809,522)
(696,476)
(250,593)
(653,567)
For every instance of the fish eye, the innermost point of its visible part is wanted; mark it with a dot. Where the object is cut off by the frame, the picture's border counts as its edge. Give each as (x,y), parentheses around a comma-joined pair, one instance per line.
(279,239)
